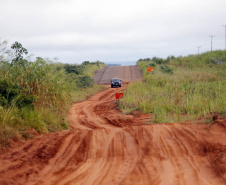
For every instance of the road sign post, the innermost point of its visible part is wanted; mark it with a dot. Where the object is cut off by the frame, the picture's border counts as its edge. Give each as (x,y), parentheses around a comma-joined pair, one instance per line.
(118,96)
(150,69)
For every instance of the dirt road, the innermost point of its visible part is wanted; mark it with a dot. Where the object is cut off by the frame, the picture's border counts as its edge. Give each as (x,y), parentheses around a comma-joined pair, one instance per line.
(108,148)
(125,73)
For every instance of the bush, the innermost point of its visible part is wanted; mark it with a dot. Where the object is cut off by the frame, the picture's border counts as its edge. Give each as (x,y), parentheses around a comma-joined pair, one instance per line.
(8,90)
(152,65)
(85,81)
(3,100)
(144,59)
(166,69)
(160,60)
(78,70)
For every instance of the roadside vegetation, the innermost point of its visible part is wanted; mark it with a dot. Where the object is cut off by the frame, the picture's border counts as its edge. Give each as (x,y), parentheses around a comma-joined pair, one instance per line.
(180,89)
(35,95)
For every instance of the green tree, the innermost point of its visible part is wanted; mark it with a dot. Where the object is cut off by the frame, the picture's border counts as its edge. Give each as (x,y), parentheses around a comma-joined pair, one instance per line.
(85,63)
(19,51)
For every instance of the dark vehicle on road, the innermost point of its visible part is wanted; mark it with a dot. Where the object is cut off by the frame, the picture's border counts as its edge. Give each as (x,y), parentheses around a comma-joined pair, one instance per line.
(115,82)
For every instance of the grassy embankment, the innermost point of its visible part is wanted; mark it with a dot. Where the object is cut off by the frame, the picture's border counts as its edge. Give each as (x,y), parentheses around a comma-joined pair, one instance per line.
(35,96)
(180,89)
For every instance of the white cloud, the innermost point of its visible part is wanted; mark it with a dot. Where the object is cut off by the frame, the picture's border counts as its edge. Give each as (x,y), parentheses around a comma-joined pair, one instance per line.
(77,30)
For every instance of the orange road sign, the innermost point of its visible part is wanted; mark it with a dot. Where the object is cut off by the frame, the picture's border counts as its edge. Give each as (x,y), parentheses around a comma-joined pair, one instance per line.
(150,69)
(118,95)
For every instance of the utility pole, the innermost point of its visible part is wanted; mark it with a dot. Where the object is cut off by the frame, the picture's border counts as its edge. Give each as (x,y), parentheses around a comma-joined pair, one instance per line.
(198,49)
(225,36)
(211,40)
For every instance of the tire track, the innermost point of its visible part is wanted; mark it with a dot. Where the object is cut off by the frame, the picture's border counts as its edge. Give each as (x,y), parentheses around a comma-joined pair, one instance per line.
(63,156)
(106,147)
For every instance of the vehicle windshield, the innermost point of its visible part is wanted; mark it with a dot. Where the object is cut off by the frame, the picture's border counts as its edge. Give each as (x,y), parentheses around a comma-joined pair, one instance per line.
(115,80)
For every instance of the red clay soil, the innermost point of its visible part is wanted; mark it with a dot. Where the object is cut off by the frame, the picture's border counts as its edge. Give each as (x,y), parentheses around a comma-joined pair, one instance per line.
(106,147)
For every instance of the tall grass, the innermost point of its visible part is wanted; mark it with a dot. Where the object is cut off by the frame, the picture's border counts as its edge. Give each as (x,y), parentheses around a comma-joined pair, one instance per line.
(37,95)
(196,88)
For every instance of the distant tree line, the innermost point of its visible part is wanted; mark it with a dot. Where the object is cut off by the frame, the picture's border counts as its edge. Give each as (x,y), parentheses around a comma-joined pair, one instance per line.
(158,60)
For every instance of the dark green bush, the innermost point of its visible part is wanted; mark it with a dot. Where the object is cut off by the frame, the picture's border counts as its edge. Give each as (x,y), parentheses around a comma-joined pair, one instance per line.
(77,69)
(85,63)
(166,69)
(152,65)
(25,100)
(8,91)
(85,81)
(144,59)
(12,93)
(159,60)
(3,100)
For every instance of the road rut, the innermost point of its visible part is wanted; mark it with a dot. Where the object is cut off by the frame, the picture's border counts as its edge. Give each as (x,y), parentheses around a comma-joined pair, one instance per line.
(107,147)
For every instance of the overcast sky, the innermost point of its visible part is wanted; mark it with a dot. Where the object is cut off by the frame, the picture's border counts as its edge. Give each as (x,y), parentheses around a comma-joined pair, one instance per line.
(113,30)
